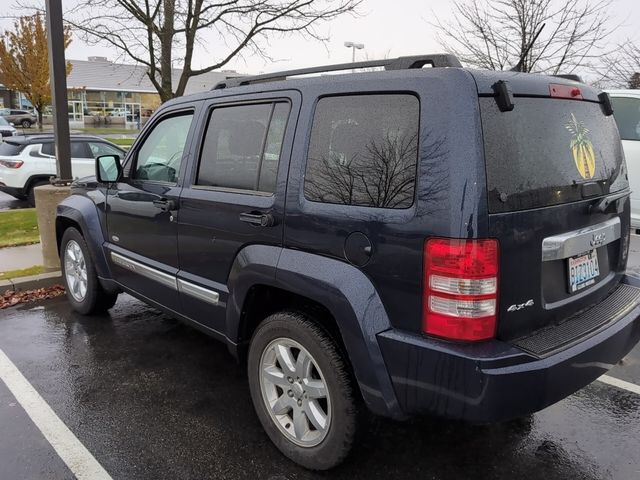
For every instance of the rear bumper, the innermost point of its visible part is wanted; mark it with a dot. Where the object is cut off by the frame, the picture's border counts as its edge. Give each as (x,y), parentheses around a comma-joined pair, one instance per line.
(497,381)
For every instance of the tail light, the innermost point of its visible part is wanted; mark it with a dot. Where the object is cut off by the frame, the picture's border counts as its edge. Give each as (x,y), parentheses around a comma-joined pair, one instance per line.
(460,288)
(5,162)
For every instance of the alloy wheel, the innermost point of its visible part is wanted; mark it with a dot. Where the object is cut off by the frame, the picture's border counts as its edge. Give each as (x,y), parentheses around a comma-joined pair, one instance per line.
(294,392)
(75,270)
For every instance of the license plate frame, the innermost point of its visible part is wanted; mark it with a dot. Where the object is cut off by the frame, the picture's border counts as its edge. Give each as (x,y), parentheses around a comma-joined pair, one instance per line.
(582,270)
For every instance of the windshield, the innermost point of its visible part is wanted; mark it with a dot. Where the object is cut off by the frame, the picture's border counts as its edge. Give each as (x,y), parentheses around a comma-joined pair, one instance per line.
(3,122)
(543,151)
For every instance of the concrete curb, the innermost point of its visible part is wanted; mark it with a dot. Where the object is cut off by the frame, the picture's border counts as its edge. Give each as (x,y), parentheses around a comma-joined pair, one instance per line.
(32,282)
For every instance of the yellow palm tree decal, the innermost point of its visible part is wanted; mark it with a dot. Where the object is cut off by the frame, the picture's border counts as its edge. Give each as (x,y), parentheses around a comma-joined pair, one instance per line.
(582,149)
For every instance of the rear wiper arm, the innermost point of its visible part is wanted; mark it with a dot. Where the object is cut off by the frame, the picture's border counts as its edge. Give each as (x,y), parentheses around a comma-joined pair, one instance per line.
(603,204)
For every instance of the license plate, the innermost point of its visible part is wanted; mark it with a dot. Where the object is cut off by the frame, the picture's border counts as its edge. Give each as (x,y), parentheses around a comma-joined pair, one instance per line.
(583,271)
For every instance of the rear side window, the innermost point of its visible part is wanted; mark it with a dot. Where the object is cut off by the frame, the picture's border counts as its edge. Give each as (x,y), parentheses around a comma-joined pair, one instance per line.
(10,149)
(48,149)
(542,152)
(364,151)
(242,147)
(627,114)
(80,150)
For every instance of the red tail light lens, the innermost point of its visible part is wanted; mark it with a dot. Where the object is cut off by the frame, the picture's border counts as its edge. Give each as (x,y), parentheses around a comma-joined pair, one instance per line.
(460,288)
(11,163)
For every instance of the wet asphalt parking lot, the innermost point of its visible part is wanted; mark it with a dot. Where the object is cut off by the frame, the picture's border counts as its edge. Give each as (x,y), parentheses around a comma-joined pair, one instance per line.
(147,397)
(7,202)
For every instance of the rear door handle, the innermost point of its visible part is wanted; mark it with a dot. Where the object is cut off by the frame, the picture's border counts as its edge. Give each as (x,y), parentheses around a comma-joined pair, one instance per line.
(165,205)
(258,219)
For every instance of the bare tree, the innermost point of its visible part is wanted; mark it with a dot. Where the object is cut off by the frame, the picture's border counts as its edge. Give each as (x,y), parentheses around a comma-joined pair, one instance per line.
(159,33)
(621,68)
(495,34)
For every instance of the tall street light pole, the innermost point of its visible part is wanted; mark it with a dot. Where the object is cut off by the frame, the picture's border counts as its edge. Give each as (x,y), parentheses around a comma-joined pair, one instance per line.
(58,78)
(354,46)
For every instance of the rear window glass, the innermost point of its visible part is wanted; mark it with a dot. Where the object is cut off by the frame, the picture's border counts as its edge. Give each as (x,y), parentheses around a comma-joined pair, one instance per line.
(543,151)
(10,149)
(364,151)
(627,114)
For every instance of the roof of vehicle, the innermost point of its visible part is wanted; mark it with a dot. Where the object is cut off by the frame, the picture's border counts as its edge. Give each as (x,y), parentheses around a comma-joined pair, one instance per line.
(403,67)
(47,137)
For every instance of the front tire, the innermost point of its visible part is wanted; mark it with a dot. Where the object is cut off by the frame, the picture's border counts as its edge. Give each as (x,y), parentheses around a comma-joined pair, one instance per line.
(84,292)
(302,391)
(26,124)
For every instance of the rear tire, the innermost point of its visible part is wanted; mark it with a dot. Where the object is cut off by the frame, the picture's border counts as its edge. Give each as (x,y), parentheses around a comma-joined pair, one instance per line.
(31,194)
(302,391)
(84,292)
(26,124)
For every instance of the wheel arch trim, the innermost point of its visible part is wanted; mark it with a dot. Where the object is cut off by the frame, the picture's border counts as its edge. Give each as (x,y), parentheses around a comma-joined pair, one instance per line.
(84,213)
(342,289)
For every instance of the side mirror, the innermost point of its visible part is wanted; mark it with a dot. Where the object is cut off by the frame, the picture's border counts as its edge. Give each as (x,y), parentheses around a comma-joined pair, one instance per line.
(12,124)
(108,168)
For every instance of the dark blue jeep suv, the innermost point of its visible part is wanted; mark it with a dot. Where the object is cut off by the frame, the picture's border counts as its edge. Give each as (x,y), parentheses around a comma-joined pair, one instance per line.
(406,241)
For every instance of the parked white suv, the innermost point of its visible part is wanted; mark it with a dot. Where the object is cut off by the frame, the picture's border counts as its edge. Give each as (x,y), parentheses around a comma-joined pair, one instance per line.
(626,111)
(29,161)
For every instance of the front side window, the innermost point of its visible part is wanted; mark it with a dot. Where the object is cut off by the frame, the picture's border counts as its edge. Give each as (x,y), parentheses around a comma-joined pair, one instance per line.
(160,155)
(98,149)
(364,151)
(242,147)
(626,111)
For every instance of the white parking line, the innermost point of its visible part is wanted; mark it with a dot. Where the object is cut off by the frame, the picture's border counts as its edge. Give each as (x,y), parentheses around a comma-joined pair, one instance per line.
(616,382)
(79,460)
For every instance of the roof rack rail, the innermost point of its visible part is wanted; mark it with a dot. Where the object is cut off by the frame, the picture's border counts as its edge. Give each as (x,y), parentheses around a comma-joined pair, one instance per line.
(400,63)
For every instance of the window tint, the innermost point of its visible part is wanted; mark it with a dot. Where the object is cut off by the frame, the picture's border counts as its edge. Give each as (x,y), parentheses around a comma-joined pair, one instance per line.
(48,149)
(364,151)
(242,147)
(540,153)
(626,111)
(160,155)
(98,149)
(79,150)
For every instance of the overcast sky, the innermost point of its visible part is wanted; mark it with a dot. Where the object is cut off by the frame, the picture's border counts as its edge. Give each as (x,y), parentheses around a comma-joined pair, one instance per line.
(385,27)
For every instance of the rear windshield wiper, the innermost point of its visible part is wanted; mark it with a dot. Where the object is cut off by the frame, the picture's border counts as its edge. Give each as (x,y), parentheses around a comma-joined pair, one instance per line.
(603,204)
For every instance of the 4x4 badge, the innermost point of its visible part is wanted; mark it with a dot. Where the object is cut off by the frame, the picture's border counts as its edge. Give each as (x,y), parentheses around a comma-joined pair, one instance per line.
(519,306)
(584,155)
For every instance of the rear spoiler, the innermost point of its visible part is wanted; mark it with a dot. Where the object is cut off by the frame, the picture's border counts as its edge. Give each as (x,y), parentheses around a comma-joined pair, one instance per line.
(503,93)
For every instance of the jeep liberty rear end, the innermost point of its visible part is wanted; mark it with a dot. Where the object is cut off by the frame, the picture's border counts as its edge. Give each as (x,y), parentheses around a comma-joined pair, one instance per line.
(553,262)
